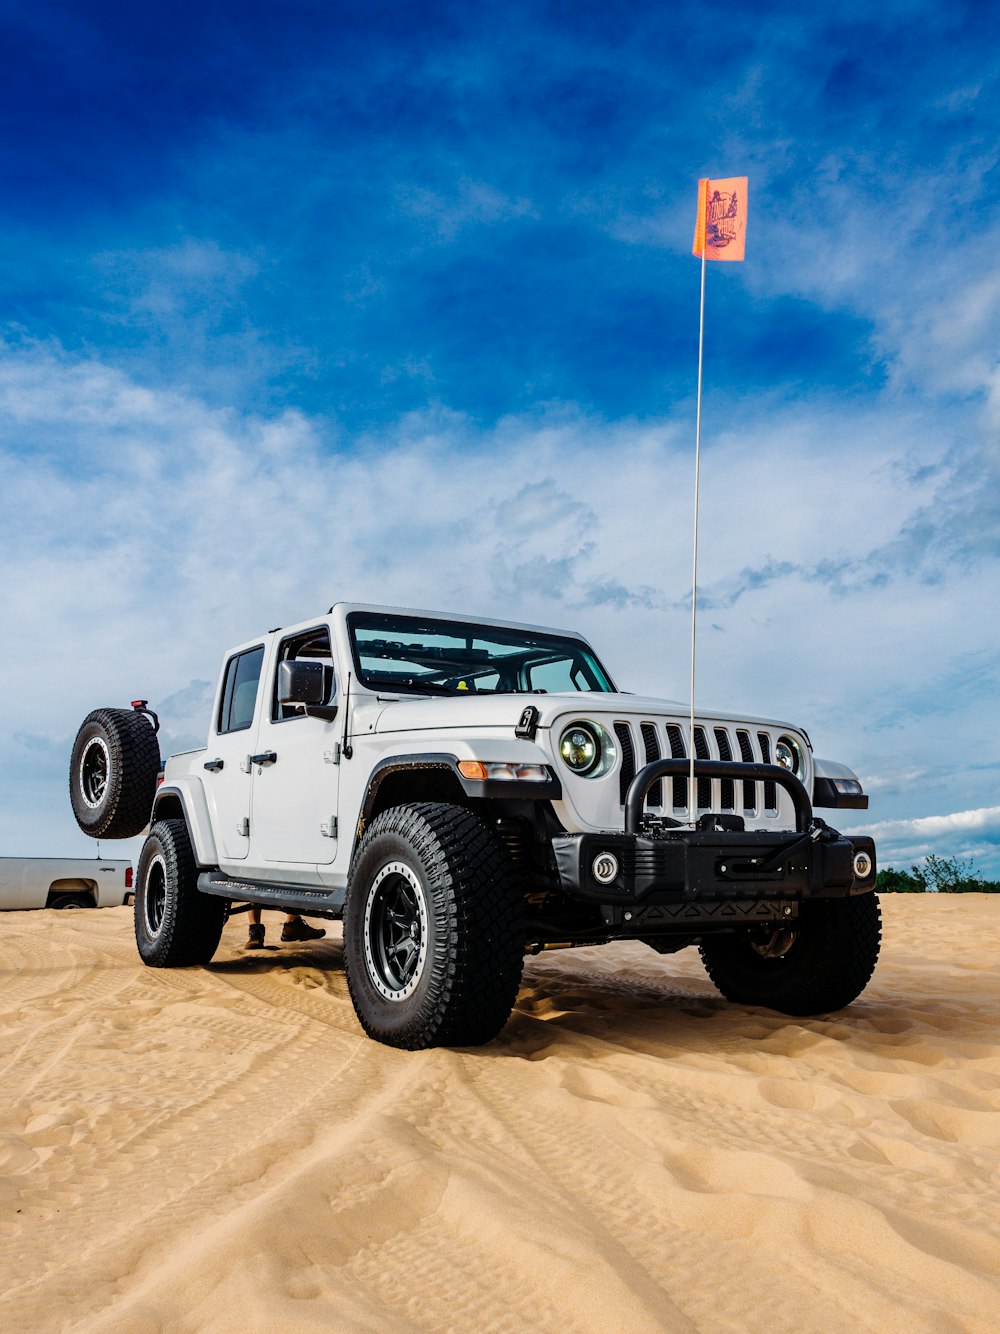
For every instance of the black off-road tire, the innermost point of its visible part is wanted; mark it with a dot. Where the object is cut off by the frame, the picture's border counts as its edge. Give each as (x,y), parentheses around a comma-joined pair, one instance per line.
(443,866)
(113,772)
(175,924)
(829,955)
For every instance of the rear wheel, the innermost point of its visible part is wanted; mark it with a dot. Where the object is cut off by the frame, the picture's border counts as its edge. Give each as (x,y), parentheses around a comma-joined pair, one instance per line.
(175,924)
(113,772)
(71,901)
(433,946)
(820,963)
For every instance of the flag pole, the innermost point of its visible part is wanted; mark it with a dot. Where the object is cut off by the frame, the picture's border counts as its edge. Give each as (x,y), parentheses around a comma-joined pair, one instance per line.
(692,791)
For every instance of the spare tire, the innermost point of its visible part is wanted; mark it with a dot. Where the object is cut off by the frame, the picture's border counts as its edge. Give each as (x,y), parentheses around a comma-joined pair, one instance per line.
(113,772)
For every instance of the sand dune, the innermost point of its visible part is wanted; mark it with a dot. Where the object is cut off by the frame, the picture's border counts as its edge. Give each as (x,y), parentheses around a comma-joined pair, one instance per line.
(222,1149)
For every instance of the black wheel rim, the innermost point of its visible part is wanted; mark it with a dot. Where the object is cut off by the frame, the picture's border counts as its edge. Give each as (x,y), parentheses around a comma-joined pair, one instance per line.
(155,895)
(395,931)
(94,772)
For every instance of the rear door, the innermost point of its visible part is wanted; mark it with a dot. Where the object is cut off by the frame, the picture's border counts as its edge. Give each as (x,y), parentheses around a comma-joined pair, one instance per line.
(227,776)
(294,795)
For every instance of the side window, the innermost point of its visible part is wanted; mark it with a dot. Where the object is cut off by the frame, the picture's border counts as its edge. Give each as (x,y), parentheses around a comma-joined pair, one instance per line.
(313,645)
(556,677)
(239,695)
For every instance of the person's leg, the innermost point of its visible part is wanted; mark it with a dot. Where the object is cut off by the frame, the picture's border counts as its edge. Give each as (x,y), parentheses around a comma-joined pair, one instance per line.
(255,937)
(296,929)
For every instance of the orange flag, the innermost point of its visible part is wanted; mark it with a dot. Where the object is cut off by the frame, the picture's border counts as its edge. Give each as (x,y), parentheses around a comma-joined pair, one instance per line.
(721,226)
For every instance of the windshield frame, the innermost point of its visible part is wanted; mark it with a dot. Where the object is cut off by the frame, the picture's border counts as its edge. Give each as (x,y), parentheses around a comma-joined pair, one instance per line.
(550,645)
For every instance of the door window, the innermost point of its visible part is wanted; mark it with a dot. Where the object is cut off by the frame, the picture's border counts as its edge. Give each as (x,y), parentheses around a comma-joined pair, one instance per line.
(314,646)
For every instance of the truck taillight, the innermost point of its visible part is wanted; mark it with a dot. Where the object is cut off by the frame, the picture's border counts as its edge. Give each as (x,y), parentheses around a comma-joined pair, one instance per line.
(128,877)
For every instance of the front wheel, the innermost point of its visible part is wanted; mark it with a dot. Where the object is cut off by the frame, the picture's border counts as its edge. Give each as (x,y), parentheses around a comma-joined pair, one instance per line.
(175,924)
(817,964)
(432,942)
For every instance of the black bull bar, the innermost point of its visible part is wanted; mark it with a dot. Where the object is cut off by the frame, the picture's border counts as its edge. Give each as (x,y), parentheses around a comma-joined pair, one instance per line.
(718,861)
(773,773)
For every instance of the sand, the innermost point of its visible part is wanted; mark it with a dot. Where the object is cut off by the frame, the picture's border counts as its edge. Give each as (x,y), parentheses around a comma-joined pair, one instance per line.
(222,1148)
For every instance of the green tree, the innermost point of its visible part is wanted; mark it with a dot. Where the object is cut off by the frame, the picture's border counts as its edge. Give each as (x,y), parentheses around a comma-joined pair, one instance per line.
(890,880)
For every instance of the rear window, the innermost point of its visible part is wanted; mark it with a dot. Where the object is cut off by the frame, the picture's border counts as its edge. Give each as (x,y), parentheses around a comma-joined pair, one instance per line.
(239,694)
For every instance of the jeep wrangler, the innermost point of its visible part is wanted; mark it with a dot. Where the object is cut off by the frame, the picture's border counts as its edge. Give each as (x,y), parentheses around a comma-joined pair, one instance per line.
(464,792)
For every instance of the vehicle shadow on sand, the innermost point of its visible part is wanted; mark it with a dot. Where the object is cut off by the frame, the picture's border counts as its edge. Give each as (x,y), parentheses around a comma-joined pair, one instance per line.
(670,1013)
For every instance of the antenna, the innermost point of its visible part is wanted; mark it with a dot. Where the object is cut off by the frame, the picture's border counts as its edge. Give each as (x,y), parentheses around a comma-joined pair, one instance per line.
(720,227)
(346,749)
(692,790)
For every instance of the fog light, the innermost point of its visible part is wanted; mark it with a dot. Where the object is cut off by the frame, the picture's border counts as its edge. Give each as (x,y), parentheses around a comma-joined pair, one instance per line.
(862,865)
(605,868)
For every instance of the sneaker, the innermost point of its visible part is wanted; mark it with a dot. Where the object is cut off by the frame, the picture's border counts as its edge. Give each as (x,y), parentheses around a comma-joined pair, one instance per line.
(255,940)
(299,930)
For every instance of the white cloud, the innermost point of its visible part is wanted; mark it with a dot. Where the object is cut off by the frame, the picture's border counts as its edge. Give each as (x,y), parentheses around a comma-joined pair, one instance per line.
(971,834)
(986,818)
(144,532)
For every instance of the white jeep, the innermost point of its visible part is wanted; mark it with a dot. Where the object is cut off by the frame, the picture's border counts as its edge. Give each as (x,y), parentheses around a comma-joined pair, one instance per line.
(463,792)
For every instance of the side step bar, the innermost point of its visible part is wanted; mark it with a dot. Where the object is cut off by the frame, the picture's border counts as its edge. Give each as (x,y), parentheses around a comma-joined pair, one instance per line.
(312,900)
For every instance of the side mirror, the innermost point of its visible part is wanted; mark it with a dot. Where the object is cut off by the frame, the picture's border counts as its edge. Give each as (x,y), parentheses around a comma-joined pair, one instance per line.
(301,681)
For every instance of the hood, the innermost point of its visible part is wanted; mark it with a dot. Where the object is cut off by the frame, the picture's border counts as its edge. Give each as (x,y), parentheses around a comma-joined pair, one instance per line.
(438,712)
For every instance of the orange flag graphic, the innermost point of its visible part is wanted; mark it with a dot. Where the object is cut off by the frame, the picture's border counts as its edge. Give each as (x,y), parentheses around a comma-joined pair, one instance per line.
(721,226)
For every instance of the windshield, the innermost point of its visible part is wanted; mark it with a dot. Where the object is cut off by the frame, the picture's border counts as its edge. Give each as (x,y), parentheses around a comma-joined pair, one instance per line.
(458,657)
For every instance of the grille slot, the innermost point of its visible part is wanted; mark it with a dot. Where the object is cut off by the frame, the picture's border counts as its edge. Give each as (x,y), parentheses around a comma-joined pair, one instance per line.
(747,756)
(677,752)
(651,745)
(770,787)
(701,752)
(624,734)
(728,797)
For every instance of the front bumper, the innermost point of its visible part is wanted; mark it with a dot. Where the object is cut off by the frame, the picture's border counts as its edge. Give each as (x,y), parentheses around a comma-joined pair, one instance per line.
(717,871)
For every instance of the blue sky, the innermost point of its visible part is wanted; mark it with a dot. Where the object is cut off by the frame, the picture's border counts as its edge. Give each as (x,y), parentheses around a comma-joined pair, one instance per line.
(396,302)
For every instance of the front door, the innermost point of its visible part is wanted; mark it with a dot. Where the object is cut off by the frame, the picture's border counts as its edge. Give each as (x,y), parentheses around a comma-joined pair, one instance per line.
(294,800)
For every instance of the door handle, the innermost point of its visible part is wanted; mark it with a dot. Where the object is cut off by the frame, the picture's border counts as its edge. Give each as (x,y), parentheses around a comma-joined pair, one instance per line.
(214,765)
(265,757)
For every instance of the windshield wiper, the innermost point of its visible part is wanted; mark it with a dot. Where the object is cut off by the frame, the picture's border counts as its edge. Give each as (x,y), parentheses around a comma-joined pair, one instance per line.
(408,683)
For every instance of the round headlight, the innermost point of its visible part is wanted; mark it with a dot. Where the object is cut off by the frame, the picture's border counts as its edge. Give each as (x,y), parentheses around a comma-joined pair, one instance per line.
(788,755)
(580,748)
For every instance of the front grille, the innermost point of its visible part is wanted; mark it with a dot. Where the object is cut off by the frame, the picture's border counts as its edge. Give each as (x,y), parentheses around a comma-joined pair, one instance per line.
(649,739)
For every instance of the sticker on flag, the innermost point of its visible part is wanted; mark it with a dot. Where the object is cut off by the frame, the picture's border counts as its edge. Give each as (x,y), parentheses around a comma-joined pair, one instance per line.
(721,226)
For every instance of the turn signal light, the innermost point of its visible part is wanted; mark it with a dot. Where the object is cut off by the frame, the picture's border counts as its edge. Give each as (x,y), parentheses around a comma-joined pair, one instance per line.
(501,772)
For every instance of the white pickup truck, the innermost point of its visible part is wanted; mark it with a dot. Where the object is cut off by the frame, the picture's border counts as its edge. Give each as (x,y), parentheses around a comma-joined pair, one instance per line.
(462,792)
(64,882)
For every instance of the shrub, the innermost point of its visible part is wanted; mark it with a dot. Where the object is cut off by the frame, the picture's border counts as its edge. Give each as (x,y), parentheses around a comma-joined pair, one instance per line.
(936,875)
